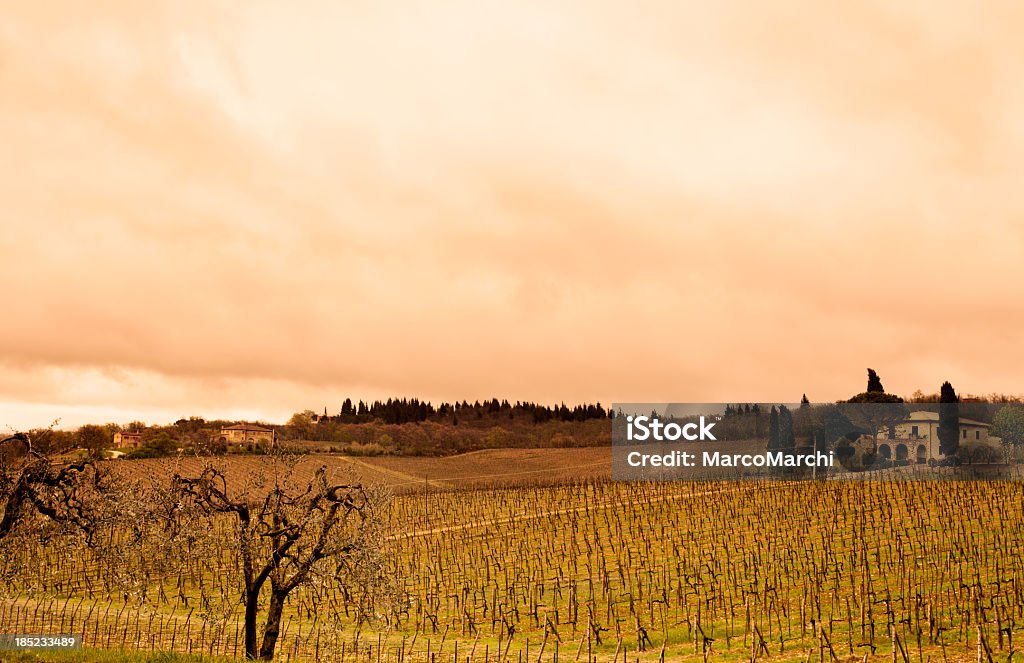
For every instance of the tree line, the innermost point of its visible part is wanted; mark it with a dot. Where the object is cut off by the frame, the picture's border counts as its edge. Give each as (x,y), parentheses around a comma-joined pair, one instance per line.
(411,410)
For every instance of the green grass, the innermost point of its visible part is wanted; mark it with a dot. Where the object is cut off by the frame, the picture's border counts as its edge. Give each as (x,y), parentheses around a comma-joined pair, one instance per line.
(107,656)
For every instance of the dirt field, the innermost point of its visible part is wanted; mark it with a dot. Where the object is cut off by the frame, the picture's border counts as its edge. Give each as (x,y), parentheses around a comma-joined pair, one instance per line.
(476,469)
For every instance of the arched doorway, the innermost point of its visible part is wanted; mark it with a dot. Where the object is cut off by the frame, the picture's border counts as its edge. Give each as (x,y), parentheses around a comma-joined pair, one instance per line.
(884,451)
(922,454)
(901,452)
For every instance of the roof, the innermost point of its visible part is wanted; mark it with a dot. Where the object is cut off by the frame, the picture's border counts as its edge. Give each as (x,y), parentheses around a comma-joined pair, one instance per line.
(248,427)
(124,434)
(926,415)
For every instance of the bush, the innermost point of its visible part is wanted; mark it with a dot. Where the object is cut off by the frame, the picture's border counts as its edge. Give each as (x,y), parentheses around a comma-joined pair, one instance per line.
(145,452)
(979,454)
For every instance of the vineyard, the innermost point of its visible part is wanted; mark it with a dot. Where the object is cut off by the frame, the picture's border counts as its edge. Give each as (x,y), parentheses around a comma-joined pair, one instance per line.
(402,474)
(594,570)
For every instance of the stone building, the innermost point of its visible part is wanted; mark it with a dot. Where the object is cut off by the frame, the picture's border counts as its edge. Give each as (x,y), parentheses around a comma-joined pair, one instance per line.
(247,434)
(916,438)
(127,440)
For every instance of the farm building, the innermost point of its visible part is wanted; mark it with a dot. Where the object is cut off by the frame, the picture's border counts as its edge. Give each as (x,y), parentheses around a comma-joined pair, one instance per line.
(916,438)
(125,440)
(243,434)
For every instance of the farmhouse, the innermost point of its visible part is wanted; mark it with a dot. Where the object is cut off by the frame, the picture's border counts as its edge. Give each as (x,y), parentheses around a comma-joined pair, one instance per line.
(123,440)
(243,434)
(916,438)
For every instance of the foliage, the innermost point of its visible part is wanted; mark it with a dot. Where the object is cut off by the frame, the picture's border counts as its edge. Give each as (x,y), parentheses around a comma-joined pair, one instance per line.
(874,382)
(1008,424)
(874,417)
(874,392)
(305,424)
(163,443)
(833,424)
(144,452)
(93,438)
(787,440)
(875,397)
(949,420)
(429,438)
(979,454)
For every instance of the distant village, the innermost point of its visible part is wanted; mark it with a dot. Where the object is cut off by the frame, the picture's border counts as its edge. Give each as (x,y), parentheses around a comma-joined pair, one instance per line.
(236,437)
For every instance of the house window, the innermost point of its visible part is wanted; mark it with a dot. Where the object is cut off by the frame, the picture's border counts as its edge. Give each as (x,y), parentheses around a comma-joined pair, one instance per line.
(965,433)
(977,435)
(914,431)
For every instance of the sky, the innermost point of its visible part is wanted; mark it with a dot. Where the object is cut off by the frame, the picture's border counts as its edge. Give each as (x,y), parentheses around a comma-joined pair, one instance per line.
(245,210)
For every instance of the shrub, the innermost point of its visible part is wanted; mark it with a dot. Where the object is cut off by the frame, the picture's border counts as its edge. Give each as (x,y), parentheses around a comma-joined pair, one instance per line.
(144,452)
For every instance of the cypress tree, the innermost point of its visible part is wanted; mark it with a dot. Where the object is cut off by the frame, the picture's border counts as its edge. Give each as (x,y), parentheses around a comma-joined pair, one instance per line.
(773,430)
(787,439)
(949,420)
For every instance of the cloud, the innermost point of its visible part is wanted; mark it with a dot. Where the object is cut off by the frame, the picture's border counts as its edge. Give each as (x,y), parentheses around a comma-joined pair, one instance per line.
(269,207)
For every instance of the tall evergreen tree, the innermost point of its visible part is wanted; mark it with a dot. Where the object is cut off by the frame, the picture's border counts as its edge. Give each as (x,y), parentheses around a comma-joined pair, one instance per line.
(874,382)
(773,430)
(787,439)
(949,420)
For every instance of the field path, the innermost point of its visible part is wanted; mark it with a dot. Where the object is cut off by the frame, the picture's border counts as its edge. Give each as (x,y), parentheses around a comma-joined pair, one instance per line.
(405,478)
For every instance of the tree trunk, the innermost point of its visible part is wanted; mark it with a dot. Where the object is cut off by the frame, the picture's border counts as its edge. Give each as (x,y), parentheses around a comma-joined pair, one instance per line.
(273,627)
(251,610)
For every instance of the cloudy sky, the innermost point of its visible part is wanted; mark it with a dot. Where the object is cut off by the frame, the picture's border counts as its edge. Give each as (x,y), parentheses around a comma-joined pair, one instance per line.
(249,209)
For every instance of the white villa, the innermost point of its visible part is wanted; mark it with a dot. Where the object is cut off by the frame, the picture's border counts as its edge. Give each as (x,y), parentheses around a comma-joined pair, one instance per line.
(916,439)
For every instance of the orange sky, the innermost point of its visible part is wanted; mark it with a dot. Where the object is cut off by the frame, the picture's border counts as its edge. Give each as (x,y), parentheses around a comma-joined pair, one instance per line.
(248,209)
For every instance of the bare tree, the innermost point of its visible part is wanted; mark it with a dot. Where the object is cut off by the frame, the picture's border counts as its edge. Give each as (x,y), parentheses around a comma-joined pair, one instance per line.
(33,483)
(285,534)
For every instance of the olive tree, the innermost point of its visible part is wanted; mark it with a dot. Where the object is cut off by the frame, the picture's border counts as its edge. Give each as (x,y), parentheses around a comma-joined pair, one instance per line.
(38,485)
(284,534)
